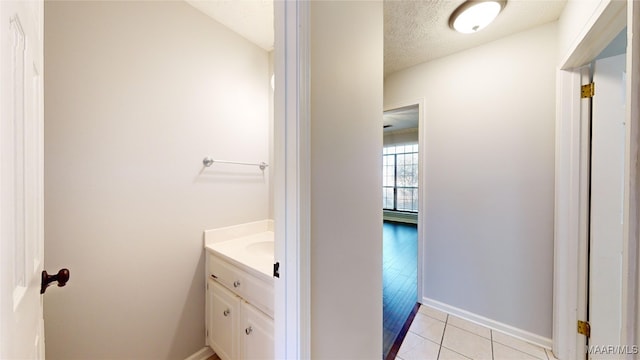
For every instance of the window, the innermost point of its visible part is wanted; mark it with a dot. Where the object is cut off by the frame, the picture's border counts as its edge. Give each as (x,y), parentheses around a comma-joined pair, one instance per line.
(400,178)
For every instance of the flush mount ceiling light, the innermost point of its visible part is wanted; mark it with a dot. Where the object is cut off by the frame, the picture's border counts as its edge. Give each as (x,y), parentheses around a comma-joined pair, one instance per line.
(475,15)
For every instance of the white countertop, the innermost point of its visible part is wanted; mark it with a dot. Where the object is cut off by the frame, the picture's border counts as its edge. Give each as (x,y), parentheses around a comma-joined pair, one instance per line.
(254,252)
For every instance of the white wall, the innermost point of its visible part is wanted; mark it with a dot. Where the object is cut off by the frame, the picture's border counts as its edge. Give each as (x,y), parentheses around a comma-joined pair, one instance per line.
(346,146)
(136,94)
(573,22)
(489,173)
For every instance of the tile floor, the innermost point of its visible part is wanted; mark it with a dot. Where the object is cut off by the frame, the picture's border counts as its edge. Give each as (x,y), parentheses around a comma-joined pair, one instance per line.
(437,335)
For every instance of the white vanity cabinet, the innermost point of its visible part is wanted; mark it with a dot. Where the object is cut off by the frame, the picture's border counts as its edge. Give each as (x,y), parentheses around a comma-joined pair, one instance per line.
(223,320)
(239,311)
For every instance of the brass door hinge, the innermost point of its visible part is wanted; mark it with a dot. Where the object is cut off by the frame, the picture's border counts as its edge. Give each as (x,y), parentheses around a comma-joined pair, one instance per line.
(584,328)
(587,91)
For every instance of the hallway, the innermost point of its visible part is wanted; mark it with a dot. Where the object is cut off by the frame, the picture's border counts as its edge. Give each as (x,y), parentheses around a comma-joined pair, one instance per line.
(399,277)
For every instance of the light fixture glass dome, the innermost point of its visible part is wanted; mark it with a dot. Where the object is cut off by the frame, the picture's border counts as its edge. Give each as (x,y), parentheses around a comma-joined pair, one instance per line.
(473,16)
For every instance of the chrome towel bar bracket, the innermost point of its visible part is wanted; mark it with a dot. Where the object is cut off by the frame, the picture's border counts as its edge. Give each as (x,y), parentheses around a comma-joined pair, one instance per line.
(207,162)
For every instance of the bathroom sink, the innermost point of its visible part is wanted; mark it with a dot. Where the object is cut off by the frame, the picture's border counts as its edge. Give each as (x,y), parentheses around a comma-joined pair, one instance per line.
(253,252)
(261,248)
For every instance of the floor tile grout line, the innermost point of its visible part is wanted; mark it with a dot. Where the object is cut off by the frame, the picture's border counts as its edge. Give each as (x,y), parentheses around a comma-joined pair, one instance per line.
(444,330)
(433,317)
(472,332)
(520,350)
(491,335)
(422,337)
(454,351)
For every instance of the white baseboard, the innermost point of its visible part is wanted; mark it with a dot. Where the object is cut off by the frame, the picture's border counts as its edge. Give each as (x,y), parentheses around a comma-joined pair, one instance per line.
(492,324)
(202,354)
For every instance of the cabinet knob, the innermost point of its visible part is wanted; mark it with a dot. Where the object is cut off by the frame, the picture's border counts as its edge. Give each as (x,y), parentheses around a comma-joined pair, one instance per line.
(226,312)
(236,283)
(248,330)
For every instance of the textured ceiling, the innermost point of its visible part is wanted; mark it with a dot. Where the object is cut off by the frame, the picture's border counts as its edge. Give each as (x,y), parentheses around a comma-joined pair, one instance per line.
(415,31)
(418,31)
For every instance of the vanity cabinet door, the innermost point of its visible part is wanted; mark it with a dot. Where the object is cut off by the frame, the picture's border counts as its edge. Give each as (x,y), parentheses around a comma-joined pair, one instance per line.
(257,334)
(224,315)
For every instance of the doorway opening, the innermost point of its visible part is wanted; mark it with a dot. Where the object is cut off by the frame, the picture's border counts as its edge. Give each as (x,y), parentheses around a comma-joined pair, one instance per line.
(401,203)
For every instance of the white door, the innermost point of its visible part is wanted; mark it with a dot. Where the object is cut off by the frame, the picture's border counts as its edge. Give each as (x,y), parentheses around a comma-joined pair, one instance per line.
(607,194)
(21,179)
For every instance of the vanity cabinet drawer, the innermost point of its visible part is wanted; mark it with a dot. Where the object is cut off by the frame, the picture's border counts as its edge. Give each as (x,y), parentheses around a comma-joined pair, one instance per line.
(226,274)
(255,291)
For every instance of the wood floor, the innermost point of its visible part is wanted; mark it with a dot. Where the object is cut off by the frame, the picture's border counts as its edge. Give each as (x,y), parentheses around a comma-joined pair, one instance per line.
(399,278)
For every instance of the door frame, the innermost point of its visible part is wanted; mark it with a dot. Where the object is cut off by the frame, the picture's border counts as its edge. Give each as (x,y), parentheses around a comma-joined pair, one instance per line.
(570,206)
(292,174)
(421,179)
